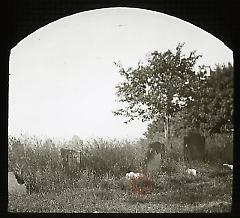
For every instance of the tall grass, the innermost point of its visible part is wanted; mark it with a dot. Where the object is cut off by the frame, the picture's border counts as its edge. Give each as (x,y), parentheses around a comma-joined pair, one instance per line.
(39,161)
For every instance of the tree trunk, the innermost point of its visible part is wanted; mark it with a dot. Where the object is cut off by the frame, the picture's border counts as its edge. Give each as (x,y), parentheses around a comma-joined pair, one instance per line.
(165,131)
(166,127)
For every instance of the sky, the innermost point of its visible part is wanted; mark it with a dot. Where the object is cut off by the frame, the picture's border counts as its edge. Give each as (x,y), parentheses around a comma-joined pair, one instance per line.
(63,76)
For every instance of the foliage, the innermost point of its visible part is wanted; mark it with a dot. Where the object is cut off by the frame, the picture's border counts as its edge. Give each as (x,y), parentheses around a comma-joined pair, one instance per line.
(212,105)
(39,161)
(156,85)
(173,190)
(178,193)
(210,108)
(220,148)
(103,160)
(161,88)
(167,91)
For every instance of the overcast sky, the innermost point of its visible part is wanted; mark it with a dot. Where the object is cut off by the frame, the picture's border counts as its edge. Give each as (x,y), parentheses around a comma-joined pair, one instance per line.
(63,78)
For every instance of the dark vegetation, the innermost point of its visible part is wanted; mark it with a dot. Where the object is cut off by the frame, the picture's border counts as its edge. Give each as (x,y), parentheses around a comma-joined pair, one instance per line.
(101,185)
(168,92)
(175,97)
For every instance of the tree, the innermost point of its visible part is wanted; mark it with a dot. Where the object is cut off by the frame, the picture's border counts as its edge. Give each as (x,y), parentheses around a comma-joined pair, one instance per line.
(212,107)
(159,89)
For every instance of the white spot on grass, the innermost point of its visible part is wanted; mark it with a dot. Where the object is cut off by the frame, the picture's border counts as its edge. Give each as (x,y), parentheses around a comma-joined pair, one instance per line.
(192,172)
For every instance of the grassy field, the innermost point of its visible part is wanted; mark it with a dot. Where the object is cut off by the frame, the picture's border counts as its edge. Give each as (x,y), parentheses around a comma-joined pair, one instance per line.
(202,195)
(101,187)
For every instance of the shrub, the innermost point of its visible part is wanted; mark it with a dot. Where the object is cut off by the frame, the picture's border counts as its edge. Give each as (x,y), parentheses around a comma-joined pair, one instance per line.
(220,148)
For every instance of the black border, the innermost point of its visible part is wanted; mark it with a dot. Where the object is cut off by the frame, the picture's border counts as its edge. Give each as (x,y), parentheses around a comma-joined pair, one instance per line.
(22,17)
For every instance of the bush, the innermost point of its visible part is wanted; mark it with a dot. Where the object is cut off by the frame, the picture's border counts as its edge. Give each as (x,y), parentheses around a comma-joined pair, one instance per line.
(220,148)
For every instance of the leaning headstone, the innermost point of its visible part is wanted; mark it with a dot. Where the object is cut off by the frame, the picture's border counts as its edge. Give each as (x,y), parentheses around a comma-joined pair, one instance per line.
(14,187)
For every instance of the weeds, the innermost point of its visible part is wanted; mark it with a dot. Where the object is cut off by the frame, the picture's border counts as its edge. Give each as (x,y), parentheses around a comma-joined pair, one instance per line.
(101,178)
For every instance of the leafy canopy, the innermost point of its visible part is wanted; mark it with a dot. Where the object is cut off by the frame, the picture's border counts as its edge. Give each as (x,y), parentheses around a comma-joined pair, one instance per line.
(213,105)
(159,88)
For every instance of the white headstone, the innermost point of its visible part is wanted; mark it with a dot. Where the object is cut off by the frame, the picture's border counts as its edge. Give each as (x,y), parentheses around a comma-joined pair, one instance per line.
(13,186)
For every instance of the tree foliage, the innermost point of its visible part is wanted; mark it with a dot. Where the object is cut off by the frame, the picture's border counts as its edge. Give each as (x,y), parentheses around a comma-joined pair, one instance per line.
(212,108)
(156,91)
(167,91)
